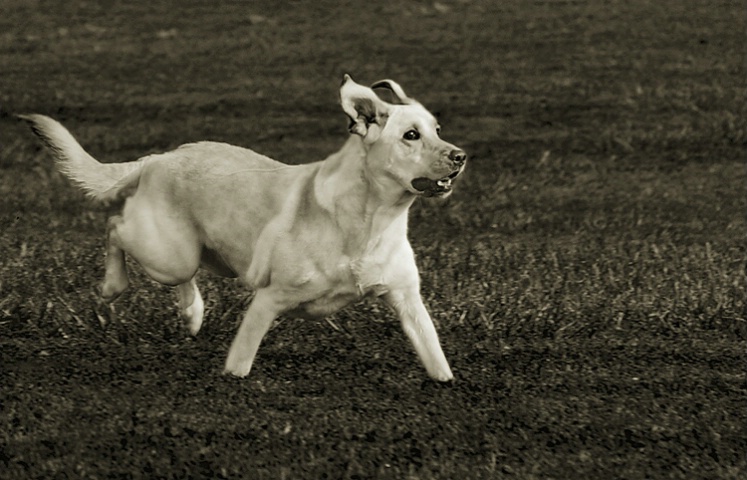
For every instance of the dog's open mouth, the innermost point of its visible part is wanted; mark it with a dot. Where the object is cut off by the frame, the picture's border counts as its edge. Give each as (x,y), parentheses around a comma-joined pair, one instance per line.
(433,188)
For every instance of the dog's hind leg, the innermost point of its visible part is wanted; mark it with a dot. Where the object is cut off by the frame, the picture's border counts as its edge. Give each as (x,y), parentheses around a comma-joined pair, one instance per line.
(157,236)
(115,276)
(257,320)
(191,306)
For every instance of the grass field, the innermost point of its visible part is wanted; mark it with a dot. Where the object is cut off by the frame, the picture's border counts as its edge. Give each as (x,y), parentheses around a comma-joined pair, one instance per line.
(587,276)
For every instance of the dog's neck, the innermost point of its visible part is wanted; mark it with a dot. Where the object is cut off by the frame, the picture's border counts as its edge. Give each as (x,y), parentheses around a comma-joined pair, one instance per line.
(346,188)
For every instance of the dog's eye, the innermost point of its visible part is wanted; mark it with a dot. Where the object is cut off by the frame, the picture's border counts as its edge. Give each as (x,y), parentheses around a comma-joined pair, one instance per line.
(411,135)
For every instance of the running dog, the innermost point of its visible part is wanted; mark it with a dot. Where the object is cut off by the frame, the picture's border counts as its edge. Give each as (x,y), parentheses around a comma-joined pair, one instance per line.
(308,239)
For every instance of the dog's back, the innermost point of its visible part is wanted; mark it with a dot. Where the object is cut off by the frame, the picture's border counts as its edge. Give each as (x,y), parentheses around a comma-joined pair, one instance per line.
(216,187)
(204,164)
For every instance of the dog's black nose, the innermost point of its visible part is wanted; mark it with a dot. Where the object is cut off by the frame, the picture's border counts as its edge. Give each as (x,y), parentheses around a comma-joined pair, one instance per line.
(458,156)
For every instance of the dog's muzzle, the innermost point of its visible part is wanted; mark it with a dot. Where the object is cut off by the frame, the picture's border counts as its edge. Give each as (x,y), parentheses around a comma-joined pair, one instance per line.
(435,188)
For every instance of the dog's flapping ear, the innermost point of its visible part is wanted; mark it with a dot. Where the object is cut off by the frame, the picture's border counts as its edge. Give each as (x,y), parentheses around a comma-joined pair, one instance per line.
(366,111)
(390,91)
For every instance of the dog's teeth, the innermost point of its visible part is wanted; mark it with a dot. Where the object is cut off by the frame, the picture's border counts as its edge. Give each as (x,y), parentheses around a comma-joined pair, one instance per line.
(445,182)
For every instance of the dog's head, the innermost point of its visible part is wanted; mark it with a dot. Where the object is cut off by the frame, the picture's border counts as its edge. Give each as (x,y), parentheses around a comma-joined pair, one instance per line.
(401,138)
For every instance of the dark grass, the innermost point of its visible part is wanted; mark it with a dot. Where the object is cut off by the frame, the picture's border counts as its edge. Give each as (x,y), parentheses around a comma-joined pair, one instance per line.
(587,276)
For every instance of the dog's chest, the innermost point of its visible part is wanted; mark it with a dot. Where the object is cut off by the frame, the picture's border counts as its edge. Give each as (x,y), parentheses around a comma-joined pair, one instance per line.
(348,281)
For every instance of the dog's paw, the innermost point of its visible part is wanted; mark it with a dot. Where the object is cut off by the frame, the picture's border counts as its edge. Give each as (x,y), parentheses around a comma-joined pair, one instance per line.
(237,368)
(115,282)
(110,291)
(441,374)
(193,315)
(239,373)
(445,377)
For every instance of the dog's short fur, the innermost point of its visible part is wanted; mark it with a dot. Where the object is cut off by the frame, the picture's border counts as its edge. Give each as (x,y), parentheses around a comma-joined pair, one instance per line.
(309,239)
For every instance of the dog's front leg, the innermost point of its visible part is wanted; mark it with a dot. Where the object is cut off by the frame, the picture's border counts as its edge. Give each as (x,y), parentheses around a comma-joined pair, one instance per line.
(419,328)
(257,320)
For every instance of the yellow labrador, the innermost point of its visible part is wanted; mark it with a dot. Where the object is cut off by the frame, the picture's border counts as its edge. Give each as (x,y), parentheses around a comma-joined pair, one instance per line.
(309,239)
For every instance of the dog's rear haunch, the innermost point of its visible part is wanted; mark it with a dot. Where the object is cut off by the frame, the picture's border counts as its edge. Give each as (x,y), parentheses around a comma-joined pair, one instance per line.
(309,239)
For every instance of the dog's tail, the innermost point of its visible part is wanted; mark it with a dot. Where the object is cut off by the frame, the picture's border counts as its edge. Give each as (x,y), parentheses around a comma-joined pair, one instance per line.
(103,182)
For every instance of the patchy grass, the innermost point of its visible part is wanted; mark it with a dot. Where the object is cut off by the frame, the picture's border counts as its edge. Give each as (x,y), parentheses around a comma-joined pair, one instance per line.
(587,276)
